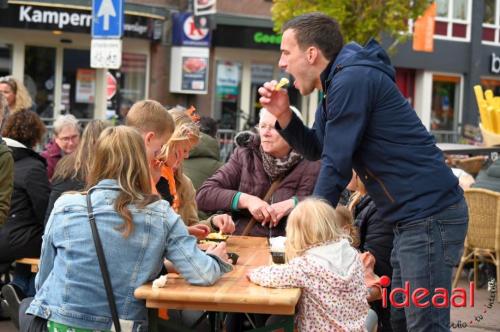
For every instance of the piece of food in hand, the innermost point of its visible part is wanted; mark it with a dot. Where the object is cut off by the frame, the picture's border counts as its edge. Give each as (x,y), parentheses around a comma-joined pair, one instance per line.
(283,81)
(217,237)
(160,282)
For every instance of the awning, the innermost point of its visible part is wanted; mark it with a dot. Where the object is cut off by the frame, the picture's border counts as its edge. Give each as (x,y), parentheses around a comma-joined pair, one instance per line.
(130,8)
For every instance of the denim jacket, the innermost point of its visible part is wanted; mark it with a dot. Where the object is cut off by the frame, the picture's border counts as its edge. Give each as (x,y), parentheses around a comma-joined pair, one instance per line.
(69,284)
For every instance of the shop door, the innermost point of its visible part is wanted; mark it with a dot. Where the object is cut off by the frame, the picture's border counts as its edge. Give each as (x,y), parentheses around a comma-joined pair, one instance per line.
(227,92)
(39,78)
(445,107)
(78,88)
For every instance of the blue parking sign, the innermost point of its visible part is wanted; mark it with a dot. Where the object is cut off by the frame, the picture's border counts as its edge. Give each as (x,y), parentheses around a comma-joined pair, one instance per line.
(107,18)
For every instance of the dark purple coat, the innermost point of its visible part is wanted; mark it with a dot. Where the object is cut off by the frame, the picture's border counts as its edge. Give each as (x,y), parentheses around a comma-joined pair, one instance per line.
(52,154)
(244,172)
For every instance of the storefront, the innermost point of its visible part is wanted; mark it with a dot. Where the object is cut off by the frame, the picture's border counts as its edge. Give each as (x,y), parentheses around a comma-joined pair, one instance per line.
(466,53)
(48,46)
(243,58)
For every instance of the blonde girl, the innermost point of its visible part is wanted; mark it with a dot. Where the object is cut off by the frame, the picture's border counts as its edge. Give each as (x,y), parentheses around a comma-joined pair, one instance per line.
(185,137)
(325,266)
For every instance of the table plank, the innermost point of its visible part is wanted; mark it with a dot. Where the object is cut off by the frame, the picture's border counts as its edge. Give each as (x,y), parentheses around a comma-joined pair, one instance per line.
(232,293)
(34,262)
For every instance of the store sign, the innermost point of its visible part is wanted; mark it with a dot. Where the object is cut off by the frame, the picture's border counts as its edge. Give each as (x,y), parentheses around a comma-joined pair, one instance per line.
(264,38)
(246,37)
(228,79)
(495,64)
(187,33)
(189,70)
(85,86)
(73,20)
(204,7)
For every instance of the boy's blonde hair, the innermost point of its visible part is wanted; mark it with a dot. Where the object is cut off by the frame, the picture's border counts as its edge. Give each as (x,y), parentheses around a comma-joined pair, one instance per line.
(312,222)
(120,154)
(150,116)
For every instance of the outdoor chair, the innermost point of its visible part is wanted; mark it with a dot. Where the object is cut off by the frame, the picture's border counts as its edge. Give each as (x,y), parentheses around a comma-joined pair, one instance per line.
(483,236)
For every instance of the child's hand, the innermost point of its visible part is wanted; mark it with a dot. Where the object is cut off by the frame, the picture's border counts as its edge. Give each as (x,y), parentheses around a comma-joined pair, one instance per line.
(220,251)
(200,231)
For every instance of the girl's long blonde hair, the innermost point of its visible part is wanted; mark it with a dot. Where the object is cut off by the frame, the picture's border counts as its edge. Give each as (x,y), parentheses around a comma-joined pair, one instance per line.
(120,154)
(186,132)
(311,223)
(77,164)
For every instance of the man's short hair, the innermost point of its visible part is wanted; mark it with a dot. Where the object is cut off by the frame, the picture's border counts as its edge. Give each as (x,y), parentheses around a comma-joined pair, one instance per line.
(150,115)
(317,29)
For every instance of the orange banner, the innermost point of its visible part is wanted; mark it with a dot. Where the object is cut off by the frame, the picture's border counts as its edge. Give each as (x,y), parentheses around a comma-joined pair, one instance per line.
(423,34)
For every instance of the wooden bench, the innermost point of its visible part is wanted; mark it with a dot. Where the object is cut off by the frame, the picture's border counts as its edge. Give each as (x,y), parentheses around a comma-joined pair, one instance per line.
(34,262)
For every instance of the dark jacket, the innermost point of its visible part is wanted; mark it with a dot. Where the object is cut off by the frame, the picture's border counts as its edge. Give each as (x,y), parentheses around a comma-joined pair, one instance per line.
(375,235)
(489,178)
(6,180)
(365,123)
(203,161)
(58,188)
(24,227)
(52,154)
(244,172)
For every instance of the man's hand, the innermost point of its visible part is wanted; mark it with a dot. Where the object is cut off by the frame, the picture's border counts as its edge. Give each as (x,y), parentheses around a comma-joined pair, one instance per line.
(224,223)
(276,102)
(283,209)
(259,209)
(200,231)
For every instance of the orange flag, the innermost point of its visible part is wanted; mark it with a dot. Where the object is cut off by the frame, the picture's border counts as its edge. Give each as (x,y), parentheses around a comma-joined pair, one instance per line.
(423,34)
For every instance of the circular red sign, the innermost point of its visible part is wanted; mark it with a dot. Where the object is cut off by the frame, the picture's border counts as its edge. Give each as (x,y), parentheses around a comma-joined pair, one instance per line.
(111,85)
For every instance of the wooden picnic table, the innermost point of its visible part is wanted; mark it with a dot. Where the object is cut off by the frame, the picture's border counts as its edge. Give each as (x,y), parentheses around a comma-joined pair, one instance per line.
(451,148)
(33,262)
(232,293)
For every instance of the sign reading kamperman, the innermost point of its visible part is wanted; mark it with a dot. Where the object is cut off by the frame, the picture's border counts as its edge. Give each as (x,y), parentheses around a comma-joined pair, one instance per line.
(75,20)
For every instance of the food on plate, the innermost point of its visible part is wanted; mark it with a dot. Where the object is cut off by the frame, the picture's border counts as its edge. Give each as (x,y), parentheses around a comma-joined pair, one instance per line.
(193,65)
(217,237)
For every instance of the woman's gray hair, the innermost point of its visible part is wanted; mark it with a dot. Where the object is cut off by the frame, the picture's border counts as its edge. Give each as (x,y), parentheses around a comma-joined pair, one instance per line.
(65,121)
(293,108)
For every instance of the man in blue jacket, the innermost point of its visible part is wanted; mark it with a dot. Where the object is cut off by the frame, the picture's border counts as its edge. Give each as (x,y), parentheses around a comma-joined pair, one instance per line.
(364,122)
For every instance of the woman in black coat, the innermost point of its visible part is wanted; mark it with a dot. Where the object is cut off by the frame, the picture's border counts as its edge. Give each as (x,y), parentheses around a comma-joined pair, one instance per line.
(21,236)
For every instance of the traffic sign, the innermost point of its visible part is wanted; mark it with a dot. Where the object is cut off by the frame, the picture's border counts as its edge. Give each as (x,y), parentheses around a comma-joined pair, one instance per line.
(106,53)
(107,18)
(111,86)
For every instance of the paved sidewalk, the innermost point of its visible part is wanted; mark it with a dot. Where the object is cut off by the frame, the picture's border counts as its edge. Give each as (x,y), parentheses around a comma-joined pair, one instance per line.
(480,317)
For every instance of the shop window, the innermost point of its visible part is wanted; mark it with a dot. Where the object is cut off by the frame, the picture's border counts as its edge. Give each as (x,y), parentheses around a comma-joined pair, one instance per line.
(491,22)
(78,88)
(5,59)
(227,91)
(445,102)
(261,73)
(132,78)
(39,78)
(453,19)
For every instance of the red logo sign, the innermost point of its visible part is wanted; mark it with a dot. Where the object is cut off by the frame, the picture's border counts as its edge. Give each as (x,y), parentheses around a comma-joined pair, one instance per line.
(193,32)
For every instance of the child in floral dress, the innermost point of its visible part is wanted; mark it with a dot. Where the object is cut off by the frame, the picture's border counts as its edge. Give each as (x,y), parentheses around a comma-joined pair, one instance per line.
(325,266)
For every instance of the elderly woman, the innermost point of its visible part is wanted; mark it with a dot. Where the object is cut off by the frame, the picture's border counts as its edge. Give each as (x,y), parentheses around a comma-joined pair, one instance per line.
(241,184)
(65,141)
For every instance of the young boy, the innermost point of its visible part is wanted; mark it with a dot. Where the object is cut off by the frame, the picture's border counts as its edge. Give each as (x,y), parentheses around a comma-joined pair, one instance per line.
(155,126)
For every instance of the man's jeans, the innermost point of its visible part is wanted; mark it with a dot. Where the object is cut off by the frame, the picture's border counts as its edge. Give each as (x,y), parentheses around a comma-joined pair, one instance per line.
(424,254)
